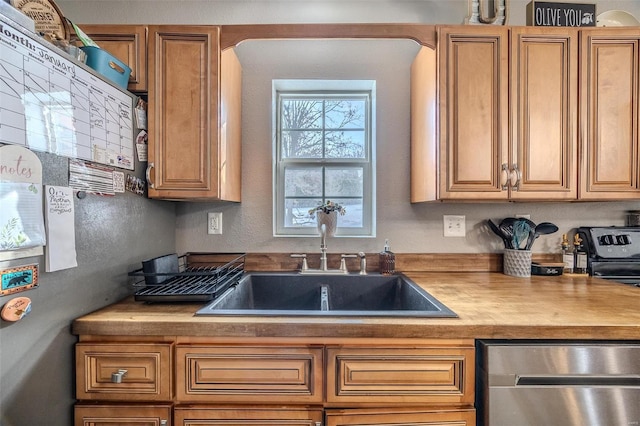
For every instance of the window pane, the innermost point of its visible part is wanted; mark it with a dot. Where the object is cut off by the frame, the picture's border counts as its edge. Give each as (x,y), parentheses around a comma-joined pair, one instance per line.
(345,144)
(347,182)
(345,114)
(353,216)
(301,114)
(303,182)
(301,144)
(297,212)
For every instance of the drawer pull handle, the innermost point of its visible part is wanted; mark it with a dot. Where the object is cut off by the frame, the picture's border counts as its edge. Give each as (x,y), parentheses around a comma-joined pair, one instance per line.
(116,67)
(117,377)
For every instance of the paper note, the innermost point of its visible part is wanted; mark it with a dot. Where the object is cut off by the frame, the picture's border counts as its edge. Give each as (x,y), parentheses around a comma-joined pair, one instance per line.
(60,252)
(21,218)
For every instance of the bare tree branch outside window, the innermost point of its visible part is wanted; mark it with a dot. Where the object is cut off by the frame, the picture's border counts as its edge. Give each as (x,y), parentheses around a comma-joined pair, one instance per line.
(323,148)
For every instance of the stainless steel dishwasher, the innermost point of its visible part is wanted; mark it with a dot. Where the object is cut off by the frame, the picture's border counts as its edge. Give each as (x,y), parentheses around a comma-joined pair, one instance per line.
(546,383)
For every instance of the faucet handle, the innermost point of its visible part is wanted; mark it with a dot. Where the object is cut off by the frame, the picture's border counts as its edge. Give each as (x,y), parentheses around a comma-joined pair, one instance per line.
(343,263)
(305,265)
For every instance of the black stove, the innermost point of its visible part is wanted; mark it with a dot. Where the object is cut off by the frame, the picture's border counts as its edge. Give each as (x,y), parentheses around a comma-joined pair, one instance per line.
(613,252)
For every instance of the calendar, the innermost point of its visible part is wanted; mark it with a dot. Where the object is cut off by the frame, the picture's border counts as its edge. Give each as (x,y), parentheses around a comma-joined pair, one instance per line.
(49,102)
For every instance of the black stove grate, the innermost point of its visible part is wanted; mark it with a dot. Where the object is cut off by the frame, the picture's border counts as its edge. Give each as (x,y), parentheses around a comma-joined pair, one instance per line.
(189,284)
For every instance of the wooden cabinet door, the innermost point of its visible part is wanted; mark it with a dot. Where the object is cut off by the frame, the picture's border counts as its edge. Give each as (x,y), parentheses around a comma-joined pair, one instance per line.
(235,416)
(127,43)
(122,415)
(194,118)
(183,104)
(474,82)
(184,76)
(408,416)
(544,107)
(609,114)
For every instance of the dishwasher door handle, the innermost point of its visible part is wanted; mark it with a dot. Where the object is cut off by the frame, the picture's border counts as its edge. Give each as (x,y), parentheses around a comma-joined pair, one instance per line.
(608,380)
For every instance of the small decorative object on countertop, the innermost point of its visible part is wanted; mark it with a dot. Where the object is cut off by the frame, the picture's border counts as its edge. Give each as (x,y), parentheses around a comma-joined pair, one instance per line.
(547,269)
(567,255)
(387,260)
(517,263)
(580,256)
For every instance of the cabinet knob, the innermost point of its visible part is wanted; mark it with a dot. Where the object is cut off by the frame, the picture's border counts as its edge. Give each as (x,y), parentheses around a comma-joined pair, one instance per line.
(118,376)
(148,174)
(504,176)
(515,177)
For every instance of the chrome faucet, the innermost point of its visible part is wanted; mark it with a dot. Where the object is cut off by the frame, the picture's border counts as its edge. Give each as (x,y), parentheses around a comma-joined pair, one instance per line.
(323,268)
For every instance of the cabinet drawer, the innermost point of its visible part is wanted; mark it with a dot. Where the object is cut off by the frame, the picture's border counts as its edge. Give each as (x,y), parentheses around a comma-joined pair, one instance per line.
(147,377)
(241,374)
(372,375)
(404,416)
(122,415)
(234,416)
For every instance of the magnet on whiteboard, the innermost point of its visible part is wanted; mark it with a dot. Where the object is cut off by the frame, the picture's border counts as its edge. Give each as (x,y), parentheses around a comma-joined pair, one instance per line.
(15,309)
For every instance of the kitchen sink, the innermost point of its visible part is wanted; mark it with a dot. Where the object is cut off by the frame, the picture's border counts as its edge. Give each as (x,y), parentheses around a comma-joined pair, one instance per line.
(293,294)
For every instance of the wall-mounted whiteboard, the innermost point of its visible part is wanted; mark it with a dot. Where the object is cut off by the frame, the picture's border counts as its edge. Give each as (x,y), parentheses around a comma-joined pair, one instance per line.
(49,102)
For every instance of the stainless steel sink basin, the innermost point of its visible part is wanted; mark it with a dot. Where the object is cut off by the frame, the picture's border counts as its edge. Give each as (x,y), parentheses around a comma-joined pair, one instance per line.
(292,294)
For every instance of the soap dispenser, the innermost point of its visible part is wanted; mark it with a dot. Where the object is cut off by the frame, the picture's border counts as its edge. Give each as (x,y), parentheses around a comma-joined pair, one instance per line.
(387,260)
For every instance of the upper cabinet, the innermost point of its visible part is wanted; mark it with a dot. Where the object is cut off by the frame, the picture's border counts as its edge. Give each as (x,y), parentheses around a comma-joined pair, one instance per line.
(610,114)
(508,114)
(473,103)
(127,43)
(544,113)
(529,113)
(194,115)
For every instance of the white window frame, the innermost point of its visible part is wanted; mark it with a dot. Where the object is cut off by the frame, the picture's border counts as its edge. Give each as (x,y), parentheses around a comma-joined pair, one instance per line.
(326,89)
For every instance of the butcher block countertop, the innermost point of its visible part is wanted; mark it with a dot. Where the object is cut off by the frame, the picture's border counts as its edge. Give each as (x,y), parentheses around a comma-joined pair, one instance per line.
(489,305)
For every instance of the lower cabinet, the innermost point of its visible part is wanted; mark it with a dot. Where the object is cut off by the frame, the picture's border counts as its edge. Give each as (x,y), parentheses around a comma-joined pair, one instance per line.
(332,382)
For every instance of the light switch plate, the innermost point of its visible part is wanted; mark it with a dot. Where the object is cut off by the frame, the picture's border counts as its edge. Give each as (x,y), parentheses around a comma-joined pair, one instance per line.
(454,226)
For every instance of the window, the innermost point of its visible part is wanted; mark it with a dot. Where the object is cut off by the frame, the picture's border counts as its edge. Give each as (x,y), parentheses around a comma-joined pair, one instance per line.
(324,152)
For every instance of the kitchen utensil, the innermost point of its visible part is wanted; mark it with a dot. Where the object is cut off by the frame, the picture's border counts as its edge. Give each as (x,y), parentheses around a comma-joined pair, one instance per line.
(521,231)
(543,228)
(496,230)
(506,226)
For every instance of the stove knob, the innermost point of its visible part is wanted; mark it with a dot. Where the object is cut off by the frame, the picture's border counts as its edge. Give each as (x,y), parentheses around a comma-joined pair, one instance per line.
(607,240)
(623,240)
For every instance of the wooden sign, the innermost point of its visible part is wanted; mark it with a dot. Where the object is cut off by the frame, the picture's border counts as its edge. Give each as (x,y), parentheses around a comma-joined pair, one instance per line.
(551,14)
(48,19)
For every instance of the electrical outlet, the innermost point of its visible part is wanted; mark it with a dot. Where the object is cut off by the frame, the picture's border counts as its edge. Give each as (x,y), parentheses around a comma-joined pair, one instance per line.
(523,216)
(454,225)
(214,223)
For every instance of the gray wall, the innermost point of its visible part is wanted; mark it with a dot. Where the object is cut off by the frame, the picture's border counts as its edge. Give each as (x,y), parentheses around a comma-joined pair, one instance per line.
(114,234)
